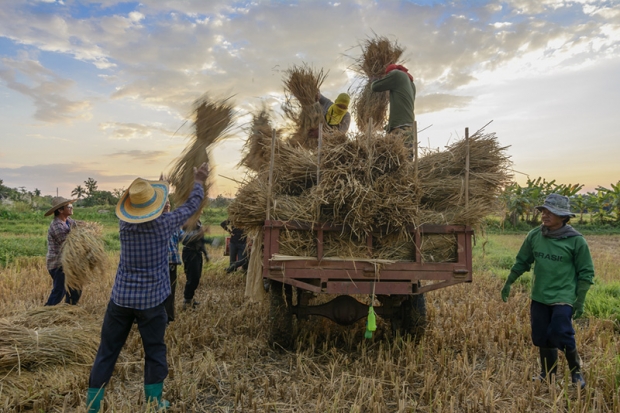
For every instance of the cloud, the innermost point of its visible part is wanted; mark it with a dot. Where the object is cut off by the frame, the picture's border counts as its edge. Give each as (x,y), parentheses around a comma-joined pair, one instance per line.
(147,156)
(50,178)
(47,90)
(436,102)
(122,130)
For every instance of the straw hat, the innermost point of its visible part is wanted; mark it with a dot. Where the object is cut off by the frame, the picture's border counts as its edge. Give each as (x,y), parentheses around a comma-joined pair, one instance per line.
(57,203)
(143,201)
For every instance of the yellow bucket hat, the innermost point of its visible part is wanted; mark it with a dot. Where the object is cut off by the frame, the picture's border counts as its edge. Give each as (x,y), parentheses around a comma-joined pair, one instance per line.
(143,201)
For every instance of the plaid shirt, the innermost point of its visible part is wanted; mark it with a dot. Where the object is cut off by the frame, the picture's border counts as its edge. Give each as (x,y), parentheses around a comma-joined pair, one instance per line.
(173,249)
(142,279)
(56,236)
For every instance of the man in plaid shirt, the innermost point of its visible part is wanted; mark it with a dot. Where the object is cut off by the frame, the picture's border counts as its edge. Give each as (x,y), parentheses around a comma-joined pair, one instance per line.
(142,284)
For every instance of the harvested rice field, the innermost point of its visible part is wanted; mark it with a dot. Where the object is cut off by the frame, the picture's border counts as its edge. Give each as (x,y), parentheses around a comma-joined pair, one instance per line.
(476,355)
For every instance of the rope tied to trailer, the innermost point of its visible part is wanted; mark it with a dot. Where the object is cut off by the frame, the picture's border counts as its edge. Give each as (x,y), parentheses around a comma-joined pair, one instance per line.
(371,321)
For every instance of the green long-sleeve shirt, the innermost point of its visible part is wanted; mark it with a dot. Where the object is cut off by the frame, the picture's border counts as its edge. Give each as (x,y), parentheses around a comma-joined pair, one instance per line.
(402,97)
(559,264)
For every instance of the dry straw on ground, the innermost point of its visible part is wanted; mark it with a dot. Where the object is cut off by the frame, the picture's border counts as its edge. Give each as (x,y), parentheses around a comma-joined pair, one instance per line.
(476,355)
(213,120)
(83,256)
(47,337)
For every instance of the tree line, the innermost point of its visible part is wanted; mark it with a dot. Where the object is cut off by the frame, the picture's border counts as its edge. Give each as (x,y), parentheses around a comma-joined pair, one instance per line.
(519,202)
(87,195)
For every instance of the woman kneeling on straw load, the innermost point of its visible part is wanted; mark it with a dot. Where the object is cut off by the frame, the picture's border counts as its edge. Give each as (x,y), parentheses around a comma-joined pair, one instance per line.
(142,284)
(56,236)
(336,113)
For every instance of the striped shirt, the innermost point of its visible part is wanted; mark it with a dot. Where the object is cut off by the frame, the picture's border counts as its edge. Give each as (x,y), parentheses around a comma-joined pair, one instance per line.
(56,236)
(142,279)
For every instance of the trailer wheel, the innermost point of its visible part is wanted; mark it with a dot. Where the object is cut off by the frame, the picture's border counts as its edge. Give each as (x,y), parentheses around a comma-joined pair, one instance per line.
(280,315)
(413,317)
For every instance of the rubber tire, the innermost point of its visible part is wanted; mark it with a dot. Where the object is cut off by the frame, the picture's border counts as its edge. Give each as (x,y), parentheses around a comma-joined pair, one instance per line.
(280,315)
(413,320)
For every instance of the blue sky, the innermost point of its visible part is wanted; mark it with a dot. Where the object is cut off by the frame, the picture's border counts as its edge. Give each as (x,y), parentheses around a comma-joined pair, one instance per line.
(98,89)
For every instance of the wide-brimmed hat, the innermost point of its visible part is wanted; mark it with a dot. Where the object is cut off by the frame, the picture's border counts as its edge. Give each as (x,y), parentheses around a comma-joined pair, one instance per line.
(57,203)
(557,204)
(143,201)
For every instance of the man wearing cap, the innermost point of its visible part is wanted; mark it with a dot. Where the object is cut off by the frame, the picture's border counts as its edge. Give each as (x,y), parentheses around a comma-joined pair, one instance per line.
(56,236)
(142,284)
(563,273)
(399,83)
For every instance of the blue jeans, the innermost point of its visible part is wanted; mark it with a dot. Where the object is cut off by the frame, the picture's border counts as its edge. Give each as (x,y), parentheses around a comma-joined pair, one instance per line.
(552,326)
(116,327)
(58,289)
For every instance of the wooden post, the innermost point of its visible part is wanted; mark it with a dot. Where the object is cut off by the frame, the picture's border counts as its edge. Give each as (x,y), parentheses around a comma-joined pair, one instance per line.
(415,150)
(466,168)
(270,183)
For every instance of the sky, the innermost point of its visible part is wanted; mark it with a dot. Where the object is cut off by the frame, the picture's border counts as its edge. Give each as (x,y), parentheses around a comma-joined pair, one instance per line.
(104,89)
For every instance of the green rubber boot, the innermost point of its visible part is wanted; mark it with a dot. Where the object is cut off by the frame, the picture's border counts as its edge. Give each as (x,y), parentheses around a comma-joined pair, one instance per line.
(153,393)
(94,397)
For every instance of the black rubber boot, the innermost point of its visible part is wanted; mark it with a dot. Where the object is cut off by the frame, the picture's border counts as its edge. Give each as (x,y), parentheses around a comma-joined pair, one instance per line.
(548,363)
(572,357)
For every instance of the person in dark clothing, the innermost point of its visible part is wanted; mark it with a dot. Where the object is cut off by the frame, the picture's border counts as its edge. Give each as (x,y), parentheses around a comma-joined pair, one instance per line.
(174,260)
(193,250)
(237,246)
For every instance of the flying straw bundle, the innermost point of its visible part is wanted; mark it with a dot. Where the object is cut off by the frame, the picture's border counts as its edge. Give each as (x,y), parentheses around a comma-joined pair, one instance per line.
(377,54)
(82,256)
(301,88)
(213,119)
(257,148)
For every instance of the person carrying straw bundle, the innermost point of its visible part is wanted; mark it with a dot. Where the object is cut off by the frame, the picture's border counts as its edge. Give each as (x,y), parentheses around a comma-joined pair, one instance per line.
(60,227)
(142,284)
(399,83)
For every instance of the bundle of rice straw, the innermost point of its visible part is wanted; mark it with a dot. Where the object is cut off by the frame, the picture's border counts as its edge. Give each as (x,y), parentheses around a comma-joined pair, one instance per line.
(367,183)
(48,336)
(301,88)
(254,289)
(83,256)
(442,177)
(25,348)
(213,119)
(377,54)
(257,148)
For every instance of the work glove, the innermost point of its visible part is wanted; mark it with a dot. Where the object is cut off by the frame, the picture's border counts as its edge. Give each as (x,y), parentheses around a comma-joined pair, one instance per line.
(582,289)
(506,290)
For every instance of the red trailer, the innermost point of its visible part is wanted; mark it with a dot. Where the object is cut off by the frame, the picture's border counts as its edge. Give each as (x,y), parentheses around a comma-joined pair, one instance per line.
(399,286)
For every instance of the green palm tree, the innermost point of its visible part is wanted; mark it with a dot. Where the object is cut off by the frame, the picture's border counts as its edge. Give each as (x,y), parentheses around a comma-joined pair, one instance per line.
(78,192)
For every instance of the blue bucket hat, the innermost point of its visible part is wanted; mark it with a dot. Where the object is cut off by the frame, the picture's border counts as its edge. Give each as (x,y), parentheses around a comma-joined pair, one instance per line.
(558,205)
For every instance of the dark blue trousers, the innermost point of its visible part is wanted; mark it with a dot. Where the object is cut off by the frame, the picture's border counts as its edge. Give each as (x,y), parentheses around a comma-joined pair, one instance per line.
(552,326)
(58,289)
(116,327)
(237,252)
